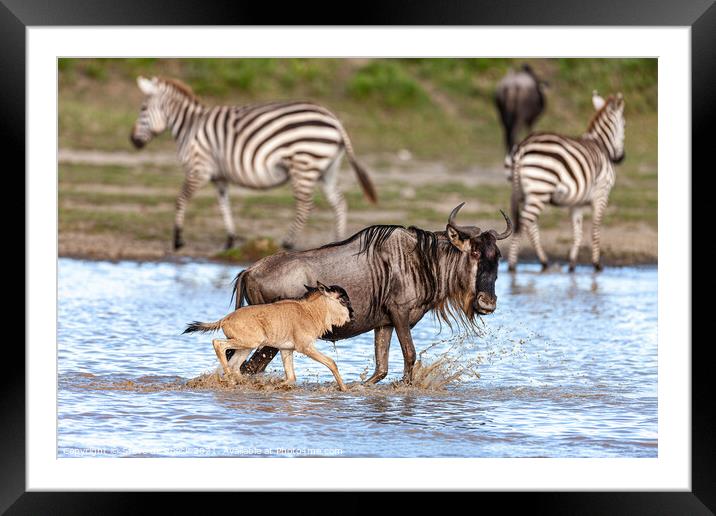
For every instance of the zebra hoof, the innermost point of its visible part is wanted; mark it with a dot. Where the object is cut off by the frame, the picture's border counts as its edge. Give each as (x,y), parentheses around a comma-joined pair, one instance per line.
(598,267)
(572,267)
(545,266)
(230,241)
(511,268)
(288,246)
(178,240)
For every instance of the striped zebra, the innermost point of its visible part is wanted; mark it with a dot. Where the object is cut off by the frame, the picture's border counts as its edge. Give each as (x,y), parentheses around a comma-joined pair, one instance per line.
(573,172)
(256,146)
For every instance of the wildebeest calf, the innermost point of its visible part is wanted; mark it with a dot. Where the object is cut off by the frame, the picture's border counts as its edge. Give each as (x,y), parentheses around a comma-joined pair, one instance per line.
(287,325)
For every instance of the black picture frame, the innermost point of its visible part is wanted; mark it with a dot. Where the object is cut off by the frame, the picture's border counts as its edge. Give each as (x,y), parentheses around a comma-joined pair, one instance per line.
(700,15)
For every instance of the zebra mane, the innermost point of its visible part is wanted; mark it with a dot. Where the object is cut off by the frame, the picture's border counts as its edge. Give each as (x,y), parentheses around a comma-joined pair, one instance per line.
(598,114)
(180,87)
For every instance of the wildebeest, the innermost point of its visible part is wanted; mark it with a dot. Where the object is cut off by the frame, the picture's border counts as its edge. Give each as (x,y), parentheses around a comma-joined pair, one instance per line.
(520,100)
(393,275)
(290,324)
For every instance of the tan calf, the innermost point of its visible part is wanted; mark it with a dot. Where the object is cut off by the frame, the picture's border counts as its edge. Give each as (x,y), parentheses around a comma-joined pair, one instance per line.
(287,325)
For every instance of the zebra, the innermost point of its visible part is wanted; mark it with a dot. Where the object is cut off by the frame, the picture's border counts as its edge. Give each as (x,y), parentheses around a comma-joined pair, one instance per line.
(256,146)
(572,172)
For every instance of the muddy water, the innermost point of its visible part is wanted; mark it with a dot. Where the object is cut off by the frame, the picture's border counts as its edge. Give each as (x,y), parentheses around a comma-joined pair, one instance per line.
(566,367)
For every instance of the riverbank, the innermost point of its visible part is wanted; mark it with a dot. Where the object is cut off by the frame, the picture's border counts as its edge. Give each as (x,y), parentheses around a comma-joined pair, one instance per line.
(117,206)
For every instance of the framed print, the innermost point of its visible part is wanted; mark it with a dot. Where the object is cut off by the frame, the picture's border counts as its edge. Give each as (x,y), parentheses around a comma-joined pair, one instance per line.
(198,185)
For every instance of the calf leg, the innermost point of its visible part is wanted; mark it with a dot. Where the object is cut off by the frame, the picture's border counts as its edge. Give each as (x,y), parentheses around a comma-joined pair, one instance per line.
(383,335)
(287,359)
(311,352)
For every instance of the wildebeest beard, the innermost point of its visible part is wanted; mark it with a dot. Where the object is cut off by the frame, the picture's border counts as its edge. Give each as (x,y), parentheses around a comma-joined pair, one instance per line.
(441,272)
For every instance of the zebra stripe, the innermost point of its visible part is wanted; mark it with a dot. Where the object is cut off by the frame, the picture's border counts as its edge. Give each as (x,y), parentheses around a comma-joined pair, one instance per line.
(548,168)
(256,146)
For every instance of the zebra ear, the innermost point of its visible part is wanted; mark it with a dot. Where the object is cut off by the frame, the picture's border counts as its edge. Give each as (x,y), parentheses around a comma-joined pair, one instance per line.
(147,86)
(597,101)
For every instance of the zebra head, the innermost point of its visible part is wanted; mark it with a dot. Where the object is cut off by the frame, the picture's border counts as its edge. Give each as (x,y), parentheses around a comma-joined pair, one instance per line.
(152,119)
(609,125)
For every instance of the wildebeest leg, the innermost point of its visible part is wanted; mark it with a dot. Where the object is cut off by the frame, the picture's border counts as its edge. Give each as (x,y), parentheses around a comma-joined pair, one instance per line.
(259,360)
(287,359)
(220,347)
(383,335)
(311,352)
(402,328)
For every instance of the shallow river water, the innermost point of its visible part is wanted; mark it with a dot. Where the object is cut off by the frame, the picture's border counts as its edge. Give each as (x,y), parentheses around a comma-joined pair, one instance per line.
(565,367)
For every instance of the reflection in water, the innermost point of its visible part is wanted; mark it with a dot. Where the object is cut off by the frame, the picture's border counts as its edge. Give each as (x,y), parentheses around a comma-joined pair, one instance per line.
(545,377)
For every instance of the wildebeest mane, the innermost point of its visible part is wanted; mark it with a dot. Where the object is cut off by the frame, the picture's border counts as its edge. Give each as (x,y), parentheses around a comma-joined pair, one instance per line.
(371,238)
(434,263)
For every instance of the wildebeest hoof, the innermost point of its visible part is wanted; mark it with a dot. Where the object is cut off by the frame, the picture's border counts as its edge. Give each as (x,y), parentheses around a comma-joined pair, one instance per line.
(377,376)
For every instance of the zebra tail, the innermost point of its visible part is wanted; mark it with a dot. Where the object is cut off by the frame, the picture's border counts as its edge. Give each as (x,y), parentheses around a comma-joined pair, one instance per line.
(515,197)
(203,327)
(239,290)
(363,178)
(365,182)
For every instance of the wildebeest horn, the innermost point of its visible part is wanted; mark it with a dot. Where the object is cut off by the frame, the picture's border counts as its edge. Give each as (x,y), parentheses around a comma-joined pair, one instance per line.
(507,232)
(468,230)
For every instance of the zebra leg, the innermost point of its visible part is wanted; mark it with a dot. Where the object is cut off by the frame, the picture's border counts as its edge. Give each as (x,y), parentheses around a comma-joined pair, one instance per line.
(599,206)
(533,232)
(222,191)
(329,185)
(304,183)
(534,204)
(192,182)
(514,251)
(576,212)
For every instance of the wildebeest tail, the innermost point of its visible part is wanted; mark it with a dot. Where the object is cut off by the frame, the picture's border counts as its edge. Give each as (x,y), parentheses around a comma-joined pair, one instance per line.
(239,289)
(203,327)
(363,178)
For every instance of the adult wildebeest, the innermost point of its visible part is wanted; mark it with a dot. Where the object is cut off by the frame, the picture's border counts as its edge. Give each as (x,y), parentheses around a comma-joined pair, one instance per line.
(520,101)
(393,276)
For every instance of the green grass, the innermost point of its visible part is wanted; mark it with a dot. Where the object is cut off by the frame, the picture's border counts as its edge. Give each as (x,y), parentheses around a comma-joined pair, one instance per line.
(383,103)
